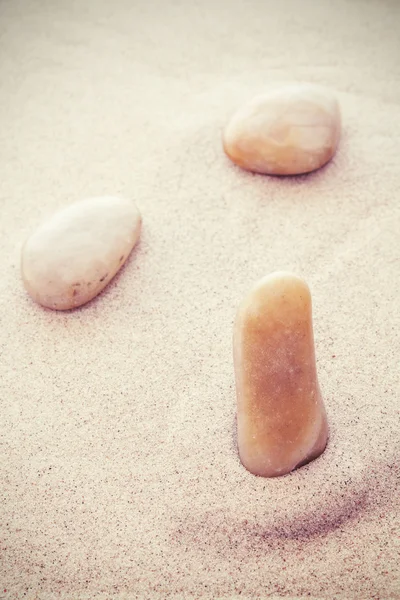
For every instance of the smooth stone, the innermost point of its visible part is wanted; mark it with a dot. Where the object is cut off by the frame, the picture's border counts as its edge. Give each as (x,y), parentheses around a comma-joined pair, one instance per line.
(288,131)
(281,418)
(71,257)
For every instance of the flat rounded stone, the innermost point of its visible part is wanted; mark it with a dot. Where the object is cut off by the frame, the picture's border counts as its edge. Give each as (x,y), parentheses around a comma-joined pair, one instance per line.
(71,257)
(281,417)
(288,131)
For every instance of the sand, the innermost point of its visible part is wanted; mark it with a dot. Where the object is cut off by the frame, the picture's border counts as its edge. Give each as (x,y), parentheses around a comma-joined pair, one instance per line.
(119,470)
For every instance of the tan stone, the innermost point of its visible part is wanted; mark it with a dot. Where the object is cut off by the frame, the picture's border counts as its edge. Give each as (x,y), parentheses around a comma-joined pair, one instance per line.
(281,418)
(291,130)
(71,257)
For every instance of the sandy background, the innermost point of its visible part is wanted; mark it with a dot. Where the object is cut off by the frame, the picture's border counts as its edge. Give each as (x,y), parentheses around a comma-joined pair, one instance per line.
(119,471)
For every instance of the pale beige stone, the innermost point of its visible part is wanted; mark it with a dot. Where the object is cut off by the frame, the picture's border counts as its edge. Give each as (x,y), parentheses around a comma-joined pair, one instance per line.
(71,257)
(288,131)
(281,418)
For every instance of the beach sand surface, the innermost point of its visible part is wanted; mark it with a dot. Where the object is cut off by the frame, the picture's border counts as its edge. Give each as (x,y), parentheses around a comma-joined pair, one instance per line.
(119,469)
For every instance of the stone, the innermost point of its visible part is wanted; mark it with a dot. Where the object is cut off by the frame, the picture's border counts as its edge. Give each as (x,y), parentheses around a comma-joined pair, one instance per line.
(281,418)
(72,256)
(291,130)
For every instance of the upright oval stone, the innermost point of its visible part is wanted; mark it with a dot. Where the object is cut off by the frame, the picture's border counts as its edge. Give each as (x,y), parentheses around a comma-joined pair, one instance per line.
(281,417)
(71,257)
(288,131)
